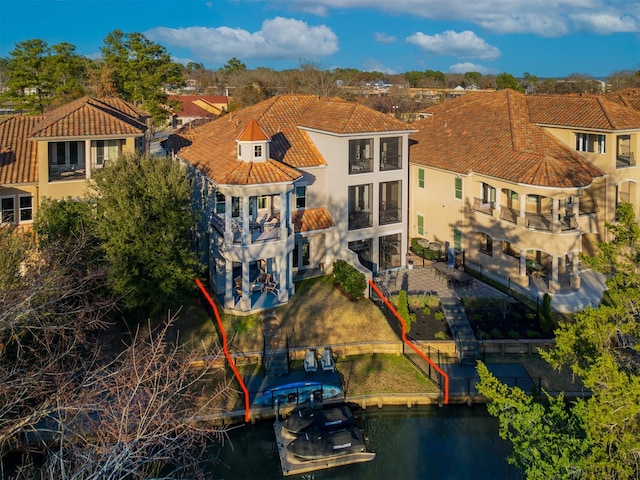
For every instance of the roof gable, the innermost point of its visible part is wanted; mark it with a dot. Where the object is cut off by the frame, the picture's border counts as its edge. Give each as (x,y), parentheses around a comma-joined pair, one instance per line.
(90,117)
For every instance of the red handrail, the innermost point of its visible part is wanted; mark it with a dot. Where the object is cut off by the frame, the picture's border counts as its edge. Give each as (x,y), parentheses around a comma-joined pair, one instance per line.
(226,349)
(408,342)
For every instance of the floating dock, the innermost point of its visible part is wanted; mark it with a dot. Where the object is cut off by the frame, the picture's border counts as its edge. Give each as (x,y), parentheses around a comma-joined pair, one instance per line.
(294,466)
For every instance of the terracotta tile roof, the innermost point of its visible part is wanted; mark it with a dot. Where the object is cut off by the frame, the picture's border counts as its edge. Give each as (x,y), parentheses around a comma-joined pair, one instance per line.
(18,155)
(200,105)
(629,98)
(253,133)
(582,111)
(312,219)
(90,117)
(336,115)
(492,134)
(212,147)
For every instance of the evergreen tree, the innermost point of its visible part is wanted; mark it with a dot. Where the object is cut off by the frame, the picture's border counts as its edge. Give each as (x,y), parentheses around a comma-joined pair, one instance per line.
(599,435)
(144,223)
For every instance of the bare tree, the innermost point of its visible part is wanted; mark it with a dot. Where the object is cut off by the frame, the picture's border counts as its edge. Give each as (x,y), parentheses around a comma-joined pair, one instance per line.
(92,411)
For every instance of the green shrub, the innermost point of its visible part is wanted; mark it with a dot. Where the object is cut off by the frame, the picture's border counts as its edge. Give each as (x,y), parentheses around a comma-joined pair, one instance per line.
(416,301)
(439,316)
(351,280)
(441,336)
(491,316)
(403,306)
(516,317)
(431,301)
(426,311)
(477,317)
(533,334)
(483,335)
(496,333)
(512,334)
(546,316)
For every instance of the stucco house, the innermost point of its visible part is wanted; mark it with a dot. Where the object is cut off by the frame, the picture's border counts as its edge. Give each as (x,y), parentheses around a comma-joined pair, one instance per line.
(195,108)
(54,155)
(523,184)
(291,184)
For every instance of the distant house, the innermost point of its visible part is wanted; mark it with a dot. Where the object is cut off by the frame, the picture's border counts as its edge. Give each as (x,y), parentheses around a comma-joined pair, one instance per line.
(291,184)
(524,184)
(198,108)
(54,155)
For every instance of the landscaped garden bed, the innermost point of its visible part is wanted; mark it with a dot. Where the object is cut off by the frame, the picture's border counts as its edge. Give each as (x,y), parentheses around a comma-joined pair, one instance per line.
(503,318)
(424,317)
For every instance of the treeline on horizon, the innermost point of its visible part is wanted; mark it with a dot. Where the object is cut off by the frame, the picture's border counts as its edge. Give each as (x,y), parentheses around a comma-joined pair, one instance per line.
(36,77)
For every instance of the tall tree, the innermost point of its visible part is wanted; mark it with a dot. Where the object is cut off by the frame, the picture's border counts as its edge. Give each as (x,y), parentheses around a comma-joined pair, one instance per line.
(602,347)
(68,71)
(28,80)
(145,221)
(140,70)
(506,80)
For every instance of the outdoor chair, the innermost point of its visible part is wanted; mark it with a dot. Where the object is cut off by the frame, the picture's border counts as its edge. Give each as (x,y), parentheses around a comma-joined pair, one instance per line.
(310,361)
(327,361)
(271,287)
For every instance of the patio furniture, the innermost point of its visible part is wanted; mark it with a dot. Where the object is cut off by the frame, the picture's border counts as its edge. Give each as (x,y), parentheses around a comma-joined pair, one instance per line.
(310,362)
(327,361)
(271,287)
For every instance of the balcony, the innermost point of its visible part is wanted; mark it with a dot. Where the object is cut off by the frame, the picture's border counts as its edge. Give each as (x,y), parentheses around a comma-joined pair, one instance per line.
(66,172)
(483,206)
(359,219)
(544,222)
(390,215)
(364,165)
(258,231)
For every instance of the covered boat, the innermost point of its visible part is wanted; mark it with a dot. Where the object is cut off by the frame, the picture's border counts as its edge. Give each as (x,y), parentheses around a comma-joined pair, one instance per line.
(316,444)
(297,392)
(305,417)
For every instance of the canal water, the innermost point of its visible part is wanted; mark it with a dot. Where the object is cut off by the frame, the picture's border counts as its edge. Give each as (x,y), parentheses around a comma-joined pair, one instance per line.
(453,442)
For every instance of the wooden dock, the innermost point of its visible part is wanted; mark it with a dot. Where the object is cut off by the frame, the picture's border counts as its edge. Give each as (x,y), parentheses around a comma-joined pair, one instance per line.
(294,466)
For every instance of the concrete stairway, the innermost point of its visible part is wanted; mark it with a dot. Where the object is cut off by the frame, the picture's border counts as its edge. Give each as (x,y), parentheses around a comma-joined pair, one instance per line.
(467,344)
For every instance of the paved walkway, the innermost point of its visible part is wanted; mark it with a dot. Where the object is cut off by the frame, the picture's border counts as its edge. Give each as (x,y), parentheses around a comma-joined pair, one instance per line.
(421,278)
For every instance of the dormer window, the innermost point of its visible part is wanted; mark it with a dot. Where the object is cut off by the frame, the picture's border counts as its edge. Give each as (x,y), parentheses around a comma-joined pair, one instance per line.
(257,151)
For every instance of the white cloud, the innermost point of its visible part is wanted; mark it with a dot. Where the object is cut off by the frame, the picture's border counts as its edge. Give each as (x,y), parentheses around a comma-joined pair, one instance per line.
(547,18)
(604,23)
(384,38)
(375,66)
(279,39)
(470,67)
(464,45)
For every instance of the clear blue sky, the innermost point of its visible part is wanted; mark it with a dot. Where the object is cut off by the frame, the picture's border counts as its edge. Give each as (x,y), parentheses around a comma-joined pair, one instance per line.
(546,38)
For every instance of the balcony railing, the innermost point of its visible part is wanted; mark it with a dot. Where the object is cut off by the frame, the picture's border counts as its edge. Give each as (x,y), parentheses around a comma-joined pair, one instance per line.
(544,222)
(390,162)
(509,214)
(482,206)
(363,165)
(586,207)
(626,159)
(359,219)
(390,215)
(259,232)
(66,172)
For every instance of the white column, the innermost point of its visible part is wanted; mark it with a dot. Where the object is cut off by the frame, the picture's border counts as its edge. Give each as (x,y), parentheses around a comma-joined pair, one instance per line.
(246,235)
(87,158)
(285,215)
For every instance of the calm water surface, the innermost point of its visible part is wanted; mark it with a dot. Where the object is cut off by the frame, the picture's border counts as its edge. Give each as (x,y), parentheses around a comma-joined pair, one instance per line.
(452,442)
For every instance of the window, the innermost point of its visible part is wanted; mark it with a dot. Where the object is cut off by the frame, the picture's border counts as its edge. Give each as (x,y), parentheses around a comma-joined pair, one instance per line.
(359,206)
(7,210)
(390,153)
(488,193)
(257,151)
(390,207)
(458,186)
(512,195)
(25,203)
(220,203)
(486,244)
(589,142)
(510,250)
(301,196)
(361,156)
(262,202)
(106,150)
(457,239)
(239,151)
(420,225)
(421,178)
